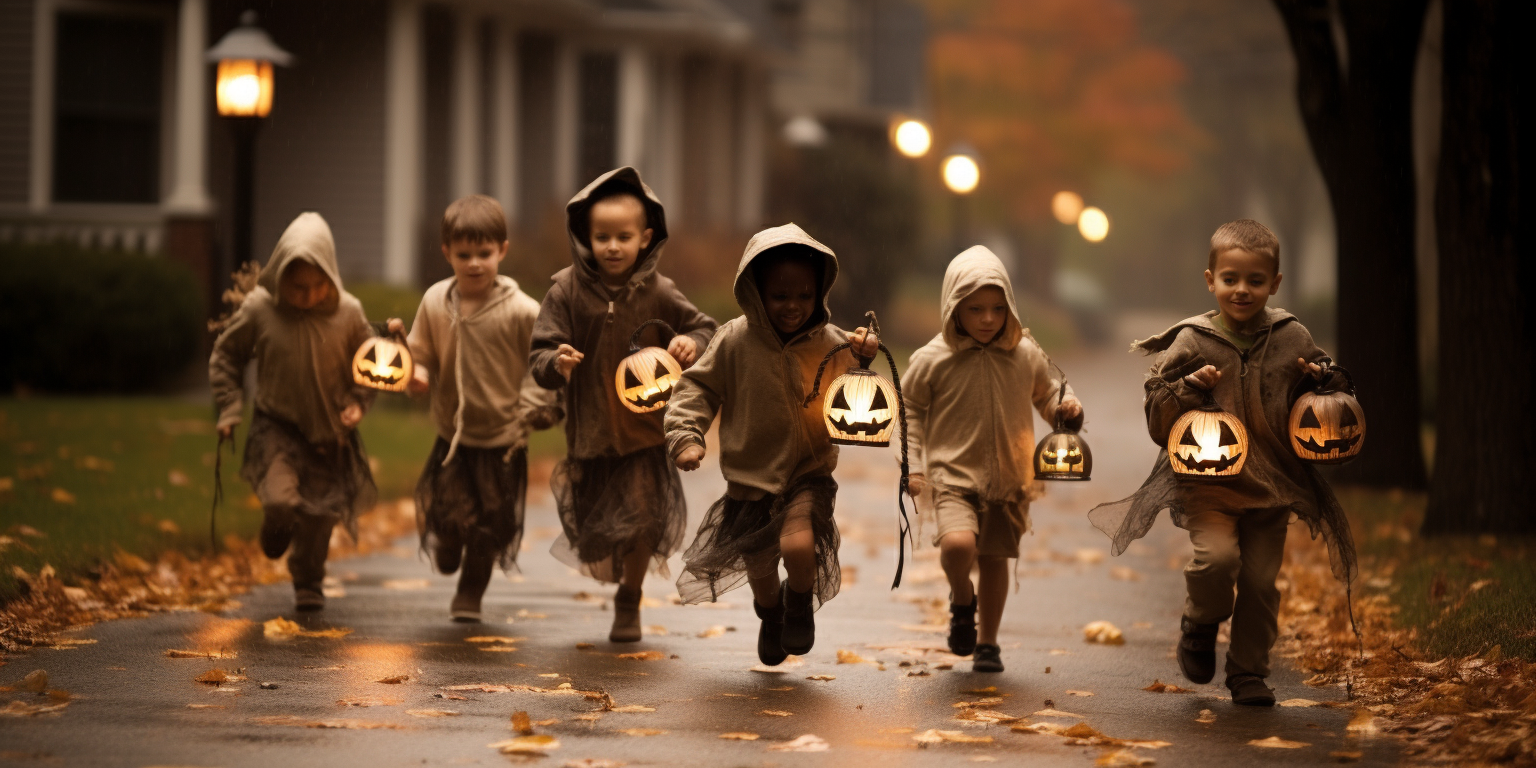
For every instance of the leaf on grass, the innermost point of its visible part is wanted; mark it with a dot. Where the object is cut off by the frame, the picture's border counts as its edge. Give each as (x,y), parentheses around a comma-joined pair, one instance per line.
(537,744)
(1123,757)
(393,679)
(346,723)
(807,743)
(1275,742)
(61,496)
(934,736)
(178,478)
(822,677)
(432,713)
(1159,686)
(776,713)
(739,736)
(405,584)
(642,731)
(1206,716)
(633,708)
(367,701)
(643,656)
(1104,633)
(521,724)
(168,527)
(175,653)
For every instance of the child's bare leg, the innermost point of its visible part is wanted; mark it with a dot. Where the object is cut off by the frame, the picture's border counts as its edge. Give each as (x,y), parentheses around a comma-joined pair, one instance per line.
(797,544)
(765,588)
(957,554)
(636,561)
(991,597)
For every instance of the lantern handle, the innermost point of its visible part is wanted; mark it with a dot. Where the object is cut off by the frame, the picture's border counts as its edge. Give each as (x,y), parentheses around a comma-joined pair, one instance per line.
(1332,367)
(634,338)
(381,330)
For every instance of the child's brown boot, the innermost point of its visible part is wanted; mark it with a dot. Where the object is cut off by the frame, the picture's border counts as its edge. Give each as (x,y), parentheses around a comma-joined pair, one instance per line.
(626,617)
(1250,690)
(276,530)
(987,658)
(1197,651)
(962,628)
(479,562)
(465,608)
(448,552)
(308,597)
(770,648)
(799,621)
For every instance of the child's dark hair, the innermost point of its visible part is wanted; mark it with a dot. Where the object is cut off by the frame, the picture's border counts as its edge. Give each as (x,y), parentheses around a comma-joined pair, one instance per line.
(792,253)
(1248,235)
(477,219)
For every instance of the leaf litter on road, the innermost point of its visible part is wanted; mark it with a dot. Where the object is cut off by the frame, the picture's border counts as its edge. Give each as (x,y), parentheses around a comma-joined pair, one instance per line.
(537,744)
(739,736)
(1275,742)
(175,653)
(281,629)
(642,656)
(935,736)
(642,731)
(433,713)
(367,701)
(1103,632)
(347,723)
(1159,686)
(806,743)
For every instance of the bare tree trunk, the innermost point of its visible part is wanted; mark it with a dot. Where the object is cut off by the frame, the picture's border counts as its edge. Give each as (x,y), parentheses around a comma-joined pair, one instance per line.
(1357,108)
(1486,435)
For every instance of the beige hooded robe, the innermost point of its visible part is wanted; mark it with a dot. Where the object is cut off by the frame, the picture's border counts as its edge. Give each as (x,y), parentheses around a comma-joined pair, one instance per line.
(303,357)
(758,383)
(969,423)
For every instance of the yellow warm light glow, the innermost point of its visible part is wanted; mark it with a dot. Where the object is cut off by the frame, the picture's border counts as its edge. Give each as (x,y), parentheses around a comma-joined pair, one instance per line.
(1066,206)
(1093,224)
(961,174)
(244,88)
(912,138)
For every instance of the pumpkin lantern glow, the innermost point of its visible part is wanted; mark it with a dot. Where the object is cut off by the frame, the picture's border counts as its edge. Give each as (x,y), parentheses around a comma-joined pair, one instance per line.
(383,362)
(1327,427)
(1063,454)
(1207,444)
(645,378)
(858,409)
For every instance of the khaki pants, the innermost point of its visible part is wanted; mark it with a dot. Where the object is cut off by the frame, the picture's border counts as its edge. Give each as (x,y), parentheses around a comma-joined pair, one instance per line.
(279,494)
(1238,550)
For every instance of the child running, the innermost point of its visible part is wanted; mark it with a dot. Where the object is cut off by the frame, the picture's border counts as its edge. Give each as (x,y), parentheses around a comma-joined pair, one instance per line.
(972,438)
(774,449)
(470,342)
(620,499)
(1251,359)
(303,456)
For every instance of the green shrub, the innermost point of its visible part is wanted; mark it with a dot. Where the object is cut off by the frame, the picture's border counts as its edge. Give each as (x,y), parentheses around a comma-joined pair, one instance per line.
(382,301)
(76,320)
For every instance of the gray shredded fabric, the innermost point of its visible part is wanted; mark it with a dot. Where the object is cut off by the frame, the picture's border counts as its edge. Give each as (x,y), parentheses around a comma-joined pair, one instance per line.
(333,479)
(609,503)
(477,496)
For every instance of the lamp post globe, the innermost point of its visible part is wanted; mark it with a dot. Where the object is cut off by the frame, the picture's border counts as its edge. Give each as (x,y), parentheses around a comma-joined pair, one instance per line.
(912,138)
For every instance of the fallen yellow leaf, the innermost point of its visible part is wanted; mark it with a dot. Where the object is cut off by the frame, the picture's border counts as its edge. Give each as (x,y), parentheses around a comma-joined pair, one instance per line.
(293,721)
(775,713)
(1298,703)
(807,743)
(643,656)
(740,736)
(521,724)
(174,653)
(527,745)
(1206,716)
(633,708)
(934,736)
(642,731)
(1275,742)
(1104,633)
(393,679)
(431,713)
(821,677)
(1159,686)
(61,496)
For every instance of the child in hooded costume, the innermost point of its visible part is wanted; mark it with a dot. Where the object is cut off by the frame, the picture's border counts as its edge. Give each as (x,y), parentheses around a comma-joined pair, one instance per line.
(775,452)
(471,339)
(303,456)
(620,499)
(972,436)
(1254,361)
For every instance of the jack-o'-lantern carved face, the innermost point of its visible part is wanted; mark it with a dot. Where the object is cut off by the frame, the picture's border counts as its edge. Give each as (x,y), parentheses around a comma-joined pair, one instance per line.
(383,363)
(1327,428)
(1063,455)
(858,408)
(1207,445)
(644,380)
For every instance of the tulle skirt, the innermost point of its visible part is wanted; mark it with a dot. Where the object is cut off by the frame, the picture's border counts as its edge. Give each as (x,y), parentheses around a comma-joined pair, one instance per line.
(285,469)
(739,539)
(609,504)
(477,498)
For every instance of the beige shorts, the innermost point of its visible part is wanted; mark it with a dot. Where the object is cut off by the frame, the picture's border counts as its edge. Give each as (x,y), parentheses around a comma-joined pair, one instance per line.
(998,525)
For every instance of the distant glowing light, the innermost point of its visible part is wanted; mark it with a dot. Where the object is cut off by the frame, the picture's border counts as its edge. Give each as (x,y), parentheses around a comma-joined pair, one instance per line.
(912,138)
(961,174)
(1066,206)
(244,88)
(1093,224)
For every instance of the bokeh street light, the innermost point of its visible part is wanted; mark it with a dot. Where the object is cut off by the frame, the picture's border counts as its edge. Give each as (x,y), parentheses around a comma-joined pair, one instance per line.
(1093,224)
(961,174)
(912,138)
(1066,206)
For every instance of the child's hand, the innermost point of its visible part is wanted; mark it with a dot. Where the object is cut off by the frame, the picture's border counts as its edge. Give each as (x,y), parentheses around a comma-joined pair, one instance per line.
(226,433)
(418,383)
(916,484)
(394,325)
(1205,378)
(1070,408)
(688,459)
(566,359)
(864,343)
(1311,369)
(683,349)
(351,415)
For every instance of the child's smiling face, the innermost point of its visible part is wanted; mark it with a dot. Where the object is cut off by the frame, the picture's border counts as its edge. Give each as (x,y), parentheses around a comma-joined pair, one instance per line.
(1242,282)
(474,263)
(789,295)
(303,285)
(619,235)
(983,314)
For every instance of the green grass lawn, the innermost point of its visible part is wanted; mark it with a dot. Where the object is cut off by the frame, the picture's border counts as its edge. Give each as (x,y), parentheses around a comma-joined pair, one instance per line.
(95,474)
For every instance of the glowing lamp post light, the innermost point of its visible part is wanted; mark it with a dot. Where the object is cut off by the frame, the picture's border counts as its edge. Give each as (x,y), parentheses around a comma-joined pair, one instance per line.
(243,94)
(1066,206)
(912,138)
(961,176)
(1093,224)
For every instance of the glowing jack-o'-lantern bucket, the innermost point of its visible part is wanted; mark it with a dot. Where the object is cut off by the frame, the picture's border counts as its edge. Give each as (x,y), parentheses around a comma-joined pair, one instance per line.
(1207,444)
(383,362)
(645,378)
(1063,454)
(1327,427)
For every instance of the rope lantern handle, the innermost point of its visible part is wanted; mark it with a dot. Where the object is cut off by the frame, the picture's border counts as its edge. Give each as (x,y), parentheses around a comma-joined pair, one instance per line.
(634,338)
(218,487)
(382,331)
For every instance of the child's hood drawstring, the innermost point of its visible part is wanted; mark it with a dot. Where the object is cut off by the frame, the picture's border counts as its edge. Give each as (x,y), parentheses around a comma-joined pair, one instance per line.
(454,321)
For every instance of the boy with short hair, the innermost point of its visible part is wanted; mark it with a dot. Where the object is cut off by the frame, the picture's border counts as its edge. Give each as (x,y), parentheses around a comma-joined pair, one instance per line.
(620,499)
(303,456)
(1252,360)
(972,436)
(470,342)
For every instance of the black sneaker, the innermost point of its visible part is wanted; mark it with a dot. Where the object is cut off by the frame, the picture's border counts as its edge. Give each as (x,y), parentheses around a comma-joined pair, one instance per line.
(308,598)
(987,658)
(770,650)
(1197,650)
(799,621)
(1250,690)
(448,552)
(962,628)
(276,531)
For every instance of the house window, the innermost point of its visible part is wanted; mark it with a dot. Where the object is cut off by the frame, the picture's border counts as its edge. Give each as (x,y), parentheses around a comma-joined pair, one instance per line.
(107,108)
(599,114)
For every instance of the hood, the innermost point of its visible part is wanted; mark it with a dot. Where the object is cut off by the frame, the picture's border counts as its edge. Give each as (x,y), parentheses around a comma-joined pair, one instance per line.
(307,238)
(745,287)
(1273,316)
(975,268)
(576,224)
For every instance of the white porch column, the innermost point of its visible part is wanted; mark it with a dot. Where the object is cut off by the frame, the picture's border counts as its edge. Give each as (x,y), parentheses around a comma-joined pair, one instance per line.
(464,144)
(666,163)
(403,100)
(567,119)
(189,189)
(504,139)
(634,108)
(750,159)
(40,181)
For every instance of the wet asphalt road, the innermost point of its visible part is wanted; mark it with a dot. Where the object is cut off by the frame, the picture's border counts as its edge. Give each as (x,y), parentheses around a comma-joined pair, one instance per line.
(135,707)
